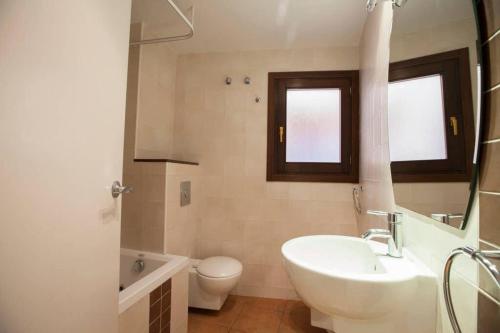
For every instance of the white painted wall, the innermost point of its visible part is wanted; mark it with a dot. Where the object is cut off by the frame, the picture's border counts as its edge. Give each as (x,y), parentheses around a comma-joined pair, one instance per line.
(62,100)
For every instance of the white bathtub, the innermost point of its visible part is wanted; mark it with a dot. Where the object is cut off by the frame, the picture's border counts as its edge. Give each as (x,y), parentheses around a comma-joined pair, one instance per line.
(158,268)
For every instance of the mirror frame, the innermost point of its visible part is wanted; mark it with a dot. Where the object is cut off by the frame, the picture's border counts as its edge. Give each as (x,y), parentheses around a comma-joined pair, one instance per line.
(473,186)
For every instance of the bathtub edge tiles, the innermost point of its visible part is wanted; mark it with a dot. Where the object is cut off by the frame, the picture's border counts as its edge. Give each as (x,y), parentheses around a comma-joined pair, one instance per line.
(159,310)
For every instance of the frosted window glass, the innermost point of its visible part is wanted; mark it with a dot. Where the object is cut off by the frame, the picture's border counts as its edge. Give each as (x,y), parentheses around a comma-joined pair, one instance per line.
(416,119)
(313,125)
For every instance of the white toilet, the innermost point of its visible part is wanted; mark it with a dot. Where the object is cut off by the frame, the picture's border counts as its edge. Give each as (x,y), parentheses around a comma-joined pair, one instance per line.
(211,280)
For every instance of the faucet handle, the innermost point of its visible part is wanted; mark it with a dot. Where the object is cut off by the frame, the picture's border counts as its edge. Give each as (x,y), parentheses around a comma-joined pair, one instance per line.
(395,217)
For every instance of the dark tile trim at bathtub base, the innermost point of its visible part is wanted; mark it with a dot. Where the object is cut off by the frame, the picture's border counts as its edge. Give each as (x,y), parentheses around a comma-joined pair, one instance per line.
(160,301)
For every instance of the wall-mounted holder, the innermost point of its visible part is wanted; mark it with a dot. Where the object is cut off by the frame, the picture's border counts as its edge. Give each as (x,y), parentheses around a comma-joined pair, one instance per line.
(246,80)
(117,189)
(370,4)
(185,193)
(356,193)
(228,80)
(482,258)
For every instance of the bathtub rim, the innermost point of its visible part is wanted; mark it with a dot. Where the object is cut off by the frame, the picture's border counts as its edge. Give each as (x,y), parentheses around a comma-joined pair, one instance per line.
(137,290)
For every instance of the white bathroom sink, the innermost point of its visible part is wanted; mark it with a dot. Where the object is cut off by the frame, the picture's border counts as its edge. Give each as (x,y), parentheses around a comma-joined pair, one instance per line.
(349,277)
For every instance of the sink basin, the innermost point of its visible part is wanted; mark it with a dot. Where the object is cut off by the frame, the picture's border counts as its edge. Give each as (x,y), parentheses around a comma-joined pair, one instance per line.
(349,277)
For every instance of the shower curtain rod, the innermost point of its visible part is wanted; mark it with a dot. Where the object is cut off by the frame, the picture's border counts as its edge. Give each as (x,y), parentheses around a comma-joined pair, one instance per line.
(189,24)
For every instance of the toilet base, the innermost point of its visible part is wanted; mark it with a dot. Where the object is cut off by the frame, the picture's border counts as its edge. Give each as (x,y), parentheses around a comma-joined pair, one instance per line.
(201,299)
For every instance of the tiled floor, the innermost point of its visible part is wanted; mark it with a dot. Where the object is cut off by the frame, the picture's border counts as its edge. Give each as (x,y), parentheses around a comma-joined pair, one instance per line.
(242,314)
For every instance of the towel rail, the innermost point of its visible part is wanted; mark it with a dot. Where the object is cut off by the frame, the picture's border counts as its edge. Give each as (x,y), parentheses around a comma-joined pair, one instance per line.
(479,256)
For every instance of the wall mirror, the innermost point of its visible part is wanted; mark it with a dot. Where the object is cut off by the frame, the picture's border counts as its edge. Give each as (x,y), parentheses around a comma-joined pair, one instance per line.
(434,108)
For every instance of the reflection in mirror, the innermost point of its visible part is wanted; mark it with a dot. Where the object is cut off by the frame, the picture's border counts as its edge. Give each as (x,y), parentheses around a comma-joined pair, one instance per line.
(433,107)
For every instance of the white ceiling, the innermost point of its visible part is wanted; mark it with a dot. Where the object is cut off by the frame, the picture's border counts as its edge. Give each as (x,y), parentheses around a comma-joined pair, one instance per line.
(234,25)
(423,14)
(237,25)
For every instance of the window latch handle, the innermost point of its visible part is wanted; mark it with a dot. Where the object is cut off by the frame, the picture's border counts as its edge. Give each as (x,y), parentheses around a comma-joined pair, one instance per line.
(282,130)
(454,125)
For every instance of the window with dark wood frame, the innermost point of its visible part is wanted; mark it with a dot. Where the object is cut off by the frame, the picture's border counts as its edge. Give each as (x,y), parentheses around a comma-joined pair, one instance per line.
(454,69)
(278,169)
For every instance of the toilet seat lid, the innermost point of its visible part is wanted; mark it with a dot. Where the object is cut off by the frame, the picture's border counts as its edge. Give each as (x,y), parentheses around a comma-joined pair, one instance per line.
(219,267)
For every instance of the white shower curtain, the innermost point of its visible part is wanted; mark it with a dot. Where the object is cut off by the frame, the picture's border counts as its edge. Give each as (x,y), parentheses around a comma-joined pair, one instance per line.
(375,173)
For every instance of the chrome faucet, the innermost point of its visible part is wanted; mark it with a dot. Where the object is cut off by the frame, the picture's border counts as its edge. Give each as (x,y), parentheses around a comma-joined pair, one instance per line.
(393,234)
(447,218)
(139,266)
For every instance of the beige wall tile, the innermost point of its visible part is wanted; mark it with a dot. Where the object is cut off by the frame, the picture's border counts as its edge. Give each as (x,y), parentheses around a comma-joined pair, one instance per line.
(429,198)
(488,315)
(489,228)
(234,211)
(136,318)
(491,52)
(491,11)
(179,302)
(181,223)
(232,248)
(277,190)
(143,209)
(155,104)
(490,168)
(486,283)
(492,117)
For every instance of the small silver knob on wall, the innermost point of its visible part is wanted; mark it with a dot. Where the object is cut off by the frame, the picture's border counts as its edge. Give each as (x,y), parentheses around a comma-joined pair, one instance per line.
(117,189)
